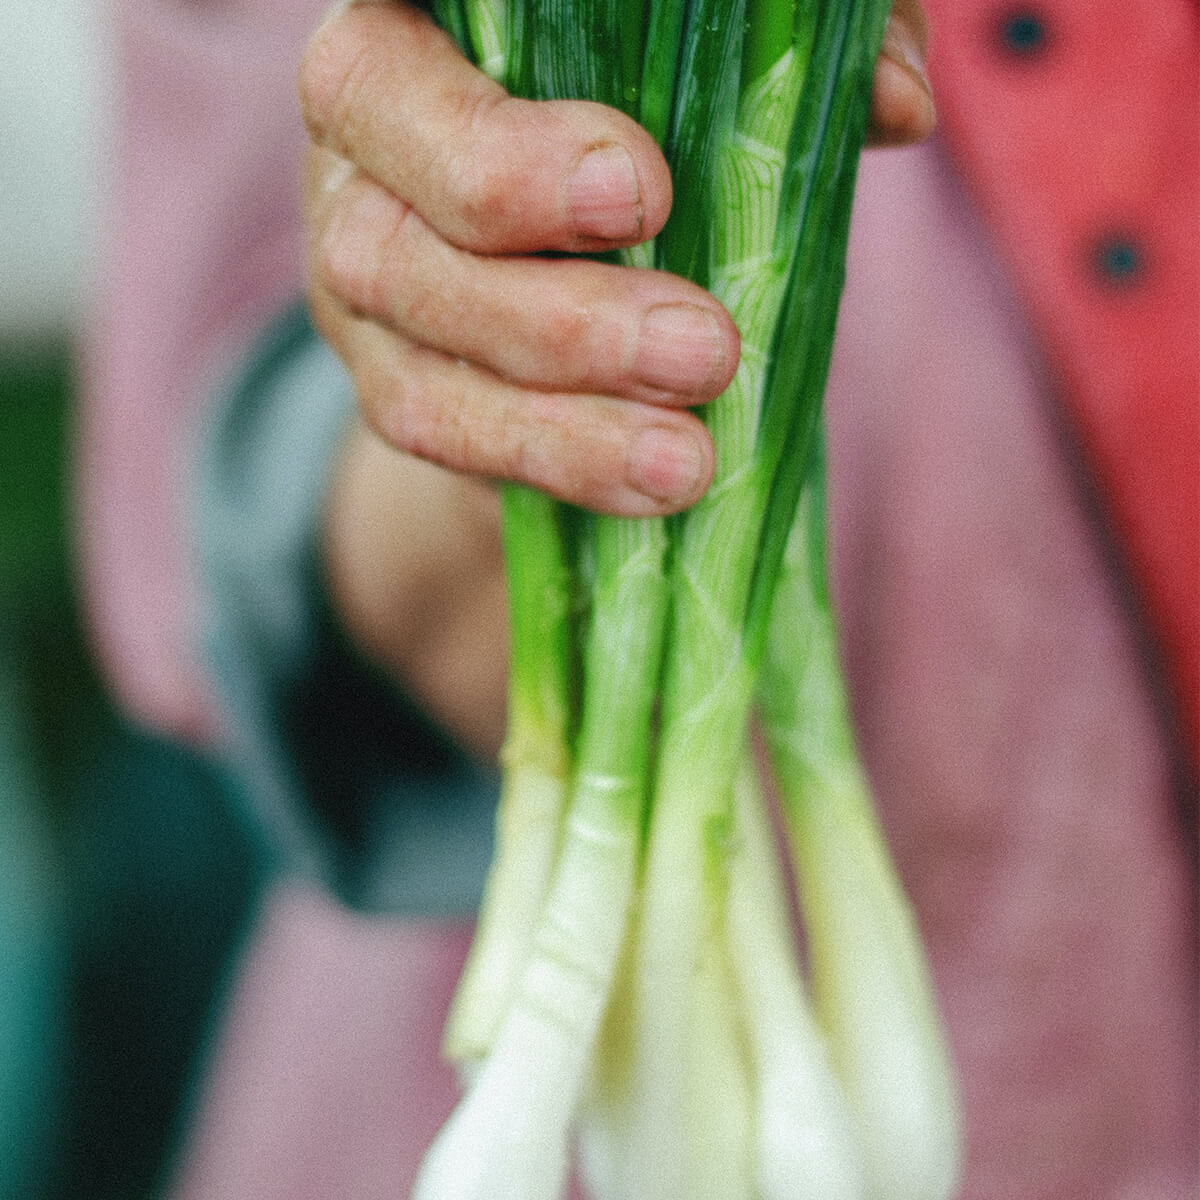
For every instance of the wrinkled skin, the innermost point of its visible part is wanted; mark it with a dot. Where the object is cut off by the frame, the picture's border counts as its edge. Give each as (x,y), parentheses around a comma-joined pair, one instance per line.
(426,190)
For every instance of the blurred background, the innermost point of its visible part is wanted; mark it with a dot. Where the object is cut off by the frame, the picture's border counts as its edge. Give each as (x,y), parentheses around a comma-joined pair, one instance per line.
(108,843)
(52,714)
(52,121)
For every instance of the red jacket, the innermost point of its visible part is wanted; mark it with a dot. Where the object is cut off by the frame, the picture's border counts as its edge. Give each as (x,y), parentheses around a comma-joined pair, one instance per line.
(1077,127)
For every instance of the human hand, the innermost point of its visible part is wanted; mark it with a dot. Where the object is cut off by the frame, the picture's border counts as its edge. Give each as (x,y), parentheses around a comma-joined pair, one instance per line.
(427,192)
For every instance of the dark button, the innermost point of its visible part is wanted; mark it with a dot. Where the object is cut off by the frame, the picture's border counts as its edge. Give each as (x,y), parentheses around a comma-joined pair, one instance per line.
(1118,259)
(1022,33)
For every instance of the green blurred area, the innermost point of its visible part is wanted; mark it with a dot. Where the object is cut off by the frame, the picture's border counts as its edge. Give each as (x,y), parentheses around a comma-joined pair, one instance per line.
(39,613)
(126,877)
(36,386)
(47,688)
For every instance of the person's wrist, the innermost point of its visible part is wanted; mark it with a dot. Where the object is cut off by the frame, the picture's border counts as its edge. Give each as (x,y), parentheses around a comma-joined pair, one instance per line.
(413,572)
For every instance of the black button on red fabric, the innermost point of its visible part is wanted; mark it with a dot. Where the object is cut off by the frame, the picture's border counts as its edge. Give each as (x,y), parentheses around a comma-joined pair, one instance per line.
(1022,33)
(1066,118)
(1118,260)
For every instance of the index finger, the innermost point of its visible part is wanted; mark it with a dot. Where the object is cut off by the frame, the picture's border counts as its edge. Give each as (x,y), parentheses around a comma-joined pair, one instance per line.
(384,87)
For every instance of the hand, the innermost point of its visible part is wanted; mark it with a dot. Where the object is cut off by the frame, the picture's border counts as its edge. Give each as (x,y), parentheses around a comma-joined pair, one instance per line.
(427,189)
(902,109)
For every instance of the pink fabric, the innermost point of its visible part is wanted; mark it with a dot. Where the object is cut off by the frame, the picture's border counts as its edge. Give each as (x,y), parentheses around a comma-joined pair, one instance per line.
(328,1082)
(1007,720)
(202,244)
(1101,128)
(1006,716)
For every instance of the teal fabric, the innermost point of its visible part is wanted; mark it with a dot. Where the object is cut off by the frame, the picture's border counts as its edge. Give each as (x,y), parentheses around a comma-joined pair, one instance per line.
(344,777)
(127,874)
(165,878)
(32,963)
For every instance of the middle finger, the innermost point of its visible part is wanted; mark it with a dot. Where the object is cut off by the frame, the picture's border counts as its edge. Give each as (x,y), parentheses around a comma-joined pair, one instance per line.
(567,324)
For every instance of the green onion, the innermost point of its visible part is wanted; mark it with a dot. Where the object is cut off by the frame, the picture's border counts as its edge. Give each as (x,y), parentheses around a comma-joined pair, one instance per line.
(517,1110)
(634,987)
(870,984)
(536,763)
(806,1143)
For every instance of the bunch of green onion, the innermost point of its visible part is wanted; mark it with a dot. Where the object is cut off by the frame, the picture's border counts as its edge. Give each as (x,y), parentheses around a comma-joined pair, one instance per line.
(634,1003)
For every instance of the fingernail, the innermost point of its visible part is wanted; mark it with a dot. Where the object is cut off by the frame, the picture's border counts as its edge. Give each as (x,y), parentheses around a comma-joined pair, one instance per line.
(603,195)
(901,46)
(680,348)
(666,465)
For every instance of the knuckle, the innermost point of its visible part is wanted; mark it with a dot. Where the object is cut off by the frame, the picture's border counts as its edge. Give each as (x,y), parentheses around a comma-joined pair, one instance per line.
(443,421)
(335,69)
(416,308)
(567,343)
(548,448)
(479,193)
(385,395)
(479,184)
(412,283)
(361,249)
(565,328)
(316,80)
(328,317)
(419,410)
(343,267)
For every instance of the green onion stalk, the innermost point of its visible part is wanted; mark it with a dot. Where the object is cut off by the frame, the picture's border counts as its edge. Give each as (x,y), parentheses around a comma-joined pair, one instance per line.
(634,989)
(512,1127)
(871,988)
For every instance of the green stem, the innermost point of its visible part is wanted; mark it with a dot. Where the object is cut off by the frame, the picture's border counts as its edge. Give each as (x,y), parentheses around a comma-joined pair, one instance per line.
(536,765)
(702,122)
(817,201)
(805,1144)
(660,66)
(871,986)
